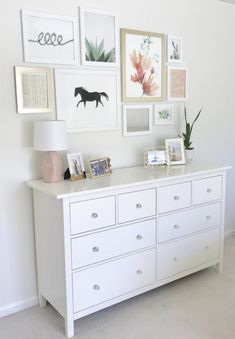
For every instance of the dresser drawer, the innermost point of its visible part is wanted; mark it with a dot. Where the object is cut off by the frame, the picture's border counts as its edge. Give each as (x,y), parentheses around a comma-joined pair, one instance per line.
(206,190)
(187,253)
(107,244)
(174,197)
(110,280)
(182,223)
(136,205)
(92,214)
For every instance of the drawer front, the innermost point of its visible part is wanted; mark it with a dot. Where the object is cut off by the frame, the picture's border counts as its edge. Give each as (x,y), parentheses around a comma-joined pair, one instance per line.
(206,190)
(107,244)
(92,214)
(104,282)
(187,253)
(182,223)
(174,197)
(136,205)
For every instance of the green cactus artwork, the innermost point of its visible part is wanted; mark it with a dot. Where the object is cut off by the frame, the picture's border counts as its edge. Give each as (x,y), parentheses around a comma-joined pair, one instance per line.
(96,52)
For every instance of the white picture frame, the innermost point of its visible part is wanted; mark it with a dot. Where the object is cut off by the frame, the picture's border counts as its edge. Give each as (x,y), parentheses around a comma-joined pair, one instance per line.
(164,114)
(96,108)
(174,49)
(177,78)
(34,90)
(49,38)
(99,29)
(137,120)
(76,166)
(175,151)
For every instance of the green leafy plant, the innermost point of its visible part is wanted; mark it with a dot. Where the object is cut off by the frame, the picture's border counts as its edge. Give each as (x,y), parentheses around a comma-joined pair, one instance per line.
(96,52)
(188,130)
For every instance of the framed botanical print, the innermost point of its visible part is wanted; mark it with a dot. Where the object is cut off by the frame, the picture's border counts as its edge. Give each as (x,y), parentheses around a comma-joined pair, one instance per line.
(143,66)
(164,114)
(99,38)
(177,83)
(174,49)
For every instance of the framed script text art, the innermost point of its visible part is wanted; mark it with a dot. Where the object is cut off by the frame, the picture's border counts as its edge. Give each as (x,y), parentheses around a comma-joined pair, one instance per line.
(34,91)
(143,66)
(49,38)
(99,38)
(177,83)
(137,120)
(87,100)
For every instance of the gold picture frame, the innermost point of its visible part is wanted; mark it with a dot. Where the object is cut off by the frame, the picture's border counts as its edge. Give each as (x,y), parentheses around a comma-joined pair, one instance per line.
(155,157)
(99,167)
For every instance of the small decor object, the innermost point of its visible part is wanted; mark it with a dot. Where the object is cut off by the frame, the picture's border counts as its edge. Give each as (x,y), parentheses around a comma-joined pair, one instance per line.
(34,91)
(99,167)
(155,157)
(175,151)
(177,83)
(163,114)
(50,137)
(88,100)
(49,38)
(174,49)
(76,166)
(137,120)
(143,65)
(99,38)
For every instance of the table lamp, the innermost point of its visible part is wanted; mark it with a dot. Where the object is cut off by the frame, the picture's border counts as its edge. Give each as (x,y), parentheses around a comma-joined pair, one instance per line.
(50,137)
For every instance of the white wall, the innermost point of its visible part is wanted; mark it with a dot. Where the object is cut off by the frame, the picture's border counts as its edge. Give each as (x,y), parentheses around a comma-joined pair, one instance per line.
(207,28)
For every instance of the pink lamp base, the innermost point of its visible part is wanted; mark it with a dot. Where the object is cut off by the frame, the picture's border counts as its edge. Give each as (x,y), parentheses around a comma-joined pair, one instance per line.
(51,167)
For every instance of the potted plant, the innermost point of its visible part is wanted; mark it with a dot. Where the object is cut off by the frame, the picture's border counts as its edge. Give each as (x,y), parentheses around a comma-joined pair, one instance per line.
(187,135)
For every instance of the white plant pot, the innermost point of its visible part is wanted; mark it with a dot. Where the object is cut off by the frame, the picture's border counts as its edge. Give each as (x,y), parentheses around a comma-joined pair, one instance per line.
(189,155)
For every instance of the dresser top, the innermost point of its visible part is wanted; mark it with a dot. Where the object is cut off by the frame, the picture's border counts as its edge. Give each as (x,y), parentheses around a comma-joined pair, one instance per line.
(128,177)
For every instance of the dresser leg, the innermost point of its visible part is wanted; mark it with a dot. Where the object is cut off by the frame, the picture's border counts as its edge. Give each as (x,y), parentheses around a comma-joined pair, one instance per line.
(69,328)
(219,268)
(41,300)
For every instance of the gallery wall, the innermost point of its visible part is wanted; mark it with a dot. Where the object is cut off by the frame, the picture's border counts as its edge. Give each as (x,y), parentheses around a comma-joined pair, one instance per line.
(207,28)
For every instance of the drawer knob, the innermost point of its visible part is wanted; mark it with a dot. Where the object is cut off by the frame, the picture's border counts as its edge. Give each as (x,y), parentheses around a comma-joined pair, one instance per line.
(209,190)
(207,248)
(138,205)
(94,215)
(96,287)
(176,197)
(139,237)
(139,272)
(175,258)
(208,217)
(176,227)
(95,249)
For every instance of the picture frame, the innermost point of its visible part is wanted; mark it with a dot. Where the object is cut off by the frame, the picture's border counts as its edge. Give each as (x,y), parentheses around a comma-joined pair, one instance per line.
(99,38)
(177,83)
(49,38)
(155,157)
(175,151)
(174,49)
(137,120)
(164,114)
(76,166)
(143,65)
(99,167)
(88,100)
(34,89)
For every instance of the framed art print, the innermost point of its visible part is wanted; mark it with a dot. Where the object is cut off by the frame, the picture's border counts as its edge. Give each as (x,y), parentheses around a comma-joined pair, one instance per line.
(174,49)
(177,83)
(76,166)
(49,38)
(99,38)
(137,120)
(88,100)
(164,114)
(143,66)
(175,151)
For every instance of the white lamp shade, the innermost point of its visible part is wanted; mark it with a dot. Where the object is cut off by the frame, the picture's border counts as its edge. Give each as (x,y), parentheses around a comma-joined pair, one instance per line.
(50,135)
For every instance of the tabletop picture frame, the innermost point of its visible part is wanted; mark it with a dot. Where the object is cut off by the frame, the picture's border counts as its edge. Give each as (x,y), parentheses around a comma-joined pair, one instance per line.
(175,151)
(155,157)
(99,167)
(76,166)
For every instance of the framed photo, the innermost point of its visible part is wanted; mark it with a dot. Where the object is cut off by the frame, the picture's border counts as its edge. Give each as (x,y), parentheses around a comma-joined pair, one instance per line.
(137,120)
(99,167)
(76,166)
(34,91)
(49,38)
(175,151)
(155,157)
(164,114)
(87,100)
(177,83)
(143,65)
(174,49)
(99,38)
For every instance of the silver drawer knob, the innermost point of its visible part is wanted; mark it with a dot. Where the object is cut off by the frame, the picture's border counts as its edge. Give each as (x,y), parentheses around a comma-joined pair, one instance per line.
(176,227)
(176,197)
(139,272)
(208,217)
(209,190)
(94,215)
(138,205)
(95,249)
(207,248)
(139,237)
(96,287)
(175,258)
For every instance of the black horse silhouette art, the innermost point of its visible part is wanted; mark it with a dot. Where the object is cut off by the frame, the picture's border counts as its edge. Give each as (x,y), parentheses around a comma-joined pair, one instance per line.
(89,96)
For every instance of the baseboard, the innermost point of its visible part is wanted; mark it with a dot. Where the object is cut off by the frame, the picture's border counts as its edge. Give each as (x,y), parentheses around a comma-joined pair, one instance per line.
(229,233)
(19,306)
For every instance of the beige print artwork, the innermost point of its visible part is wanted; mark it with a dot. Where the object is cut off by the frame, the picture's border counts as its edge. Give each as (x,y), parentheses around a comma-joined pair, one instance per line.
(177,83)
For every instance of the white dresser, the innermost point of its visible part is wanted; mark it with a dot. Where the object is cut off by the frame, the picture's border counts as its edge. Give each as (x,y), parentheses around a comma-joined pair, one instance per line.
(101,241)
